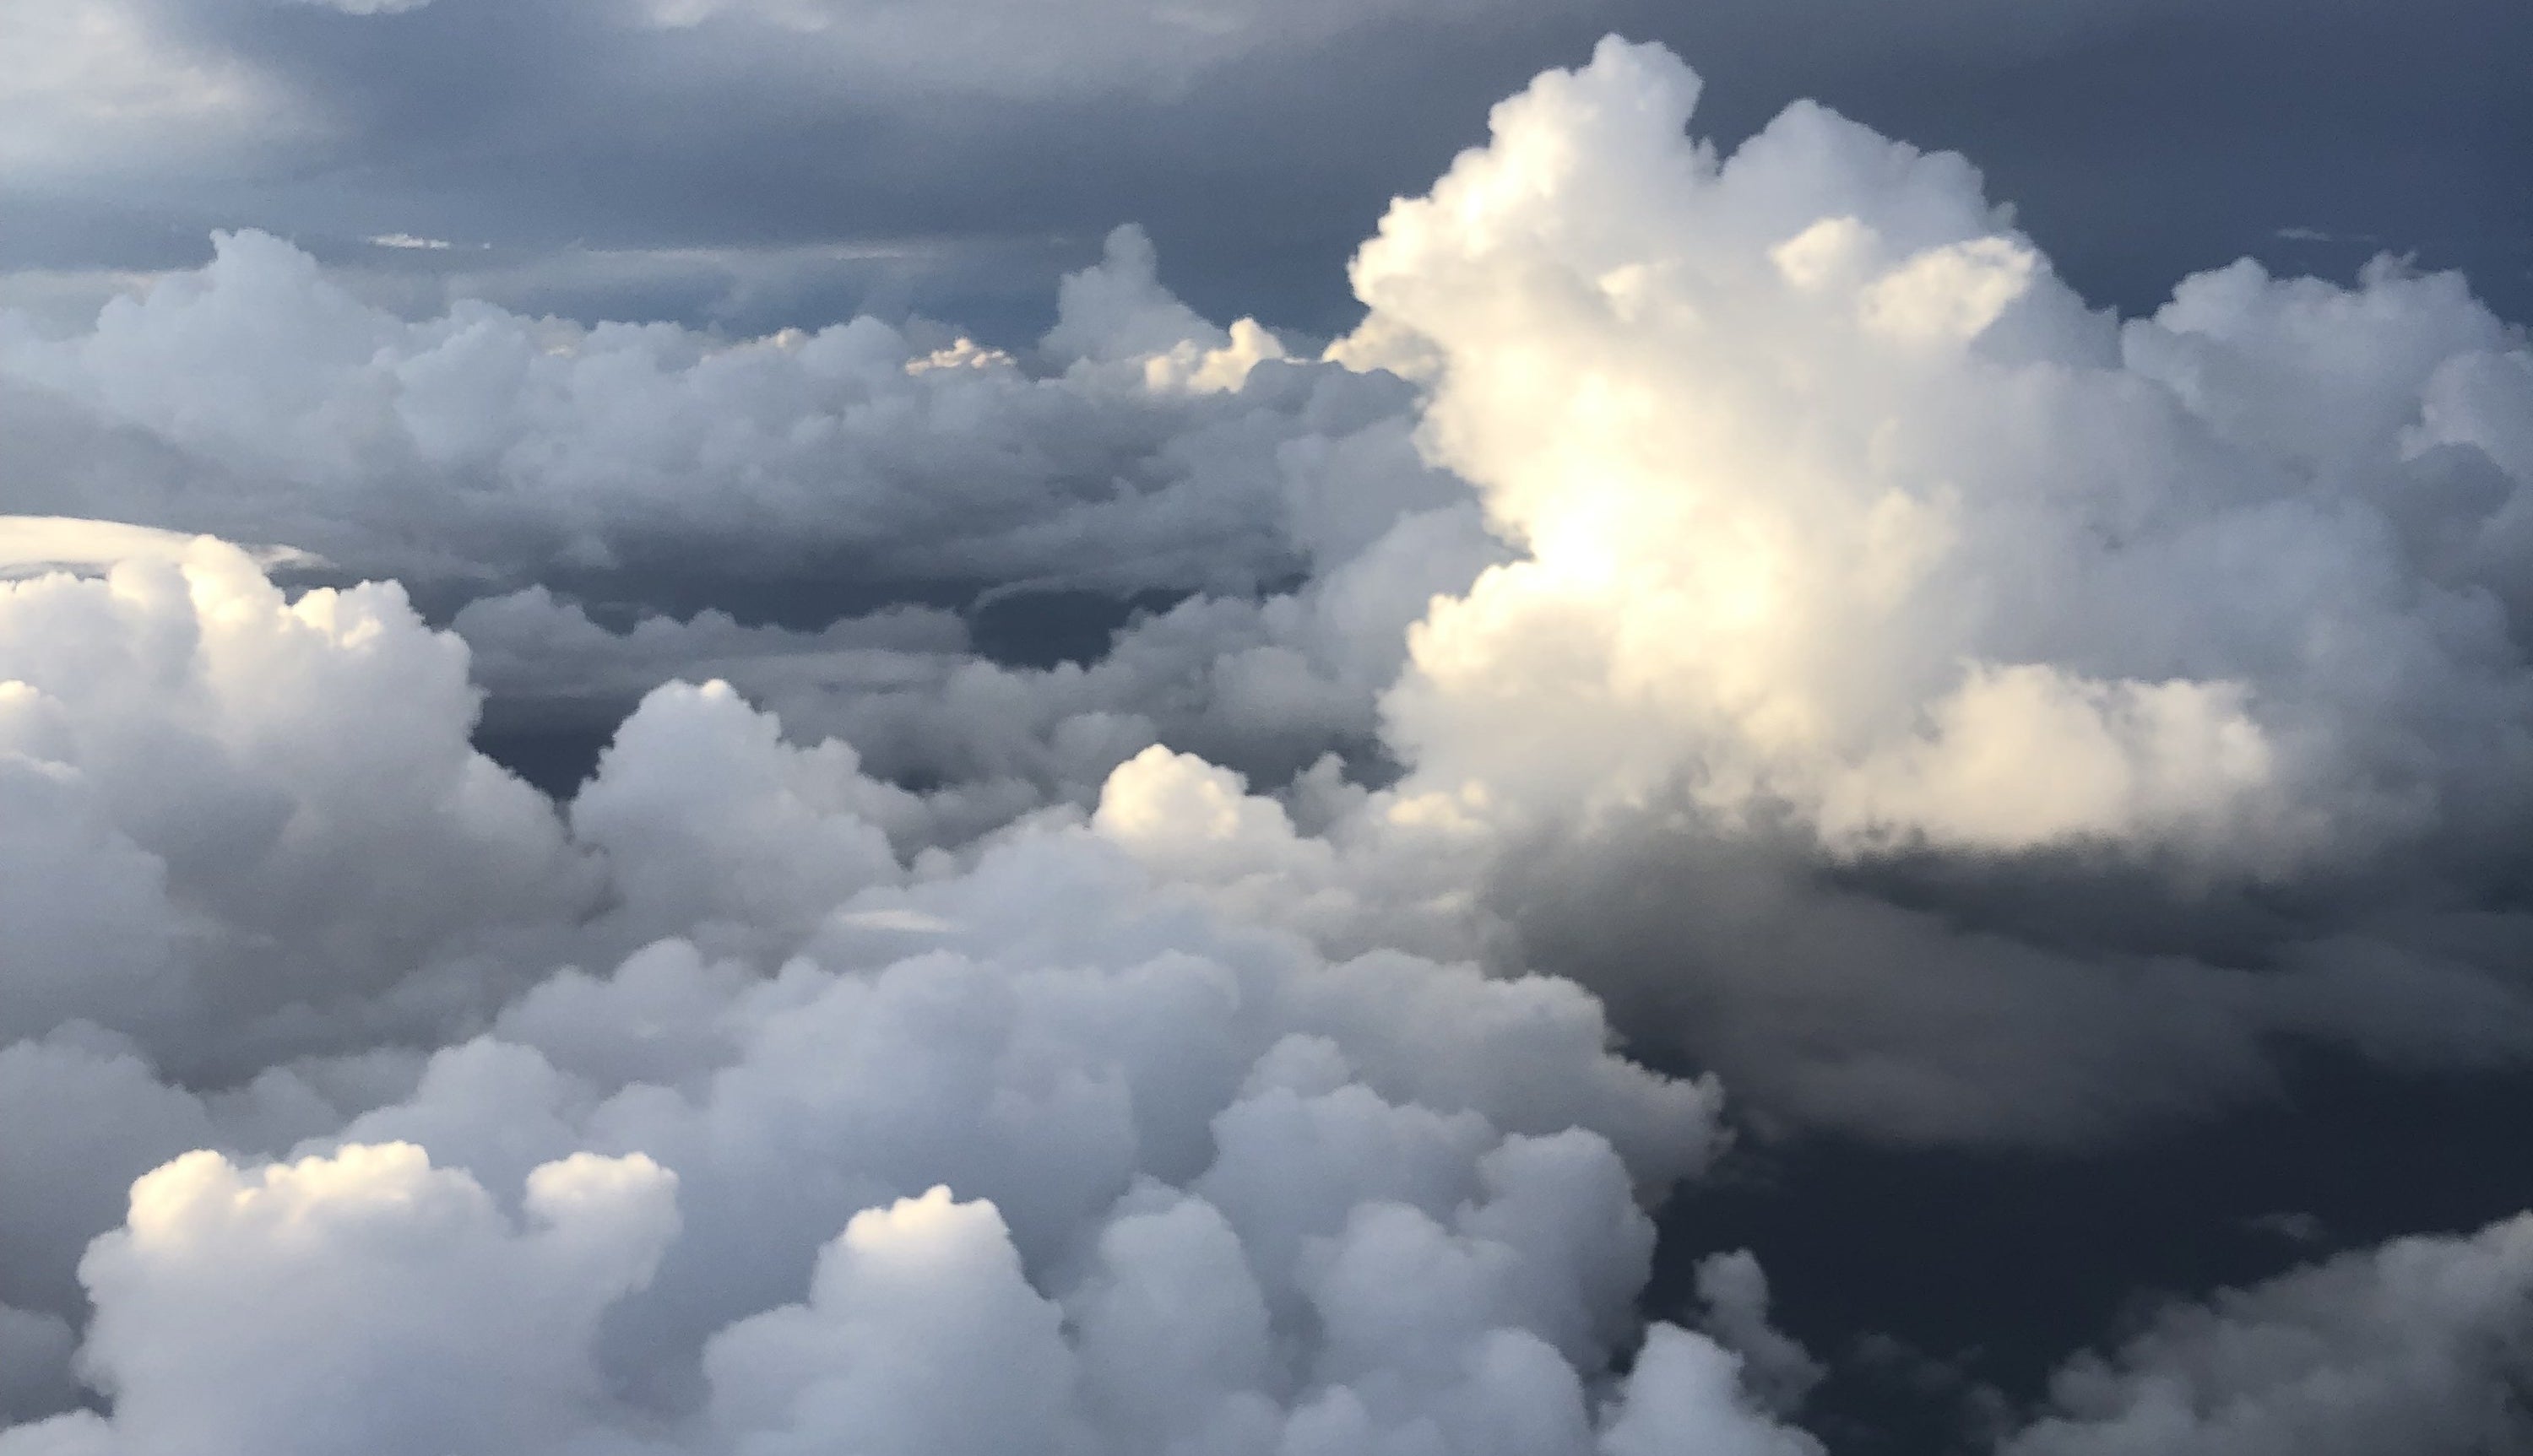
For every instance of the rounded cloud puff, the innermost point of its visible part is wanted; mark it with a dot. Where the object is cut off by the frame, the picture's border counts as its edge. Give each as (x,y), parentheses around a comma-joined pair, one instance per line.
(1836,503)
(1415,1195)
(243,817)
(1146,448)
(366,1301)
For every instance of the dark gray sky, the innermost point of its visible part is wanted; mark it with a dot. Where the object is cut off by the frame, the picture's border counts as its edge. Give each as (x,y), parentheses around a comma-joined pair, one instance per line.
(748,170)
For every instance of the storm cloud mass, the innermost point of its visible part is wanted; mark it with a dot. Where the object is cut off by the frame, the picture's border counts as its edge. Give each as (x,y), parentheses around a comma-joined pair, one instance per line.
(638,848)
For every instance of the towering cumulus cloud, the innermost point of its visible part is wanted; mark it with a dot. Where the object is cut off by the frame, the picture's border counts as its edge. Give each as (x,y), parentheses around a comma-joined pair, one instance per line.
(1856,556)
(1836,505)
(1747,604)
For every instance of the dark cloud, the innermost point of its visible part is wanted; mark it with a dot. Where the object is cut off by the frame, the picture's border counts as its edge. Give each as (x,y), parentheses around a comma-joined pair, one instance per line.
(2143,140)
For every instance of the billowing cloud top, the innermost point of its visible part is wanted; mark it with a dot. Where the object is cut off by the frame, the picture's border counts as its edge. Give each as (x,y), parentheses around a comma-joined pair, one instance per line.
(1833,497)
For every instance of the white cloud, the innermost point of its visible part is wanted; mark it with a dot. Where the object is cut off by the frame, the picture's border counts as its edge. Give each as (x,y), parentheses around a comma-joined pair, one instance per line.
(1836,500)
(1836,534)
(920,1335)
(2226,595)
(1037,1020)
(32,545)
(965,1057)
(486,443)
(263,813)
(363,1301)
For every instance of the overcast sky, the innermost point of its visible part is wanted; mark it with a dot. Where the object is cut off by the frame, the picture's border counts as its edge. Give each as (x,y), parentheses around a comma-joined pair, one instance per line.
(787,162)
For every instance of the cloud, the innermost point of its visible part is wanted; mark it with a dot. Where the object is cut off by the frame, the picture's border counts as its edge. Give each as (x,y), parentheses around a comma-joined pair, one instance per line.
(1735,1291)
(364,1300)
(1868,583)
(1930,647)
(35,546)
(1835,500)
(1136,467)
(1266,685)
(629,1173)
(1022,50)
(105,86)
(238,811)
(1753,585)
(914,1309)
(35,1354)
(2415,1346)
(365,7)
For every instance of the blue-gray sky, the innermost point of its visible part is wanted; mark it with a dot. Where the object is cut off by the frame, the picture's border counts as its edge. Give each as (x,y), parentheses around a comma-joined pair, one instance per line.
(755,164)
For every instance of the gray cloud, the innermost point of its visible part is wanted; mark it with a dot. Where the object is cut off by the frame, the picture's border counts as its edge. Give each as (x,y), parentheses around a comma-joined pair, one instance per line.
(2146,139)
(2416,1346)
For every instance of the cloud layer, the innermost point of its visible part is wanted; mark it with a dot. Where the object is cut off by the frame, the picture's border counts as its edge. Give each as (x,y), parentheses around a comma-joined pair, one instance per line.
(484,443)
(1141,1104)
(1747,604)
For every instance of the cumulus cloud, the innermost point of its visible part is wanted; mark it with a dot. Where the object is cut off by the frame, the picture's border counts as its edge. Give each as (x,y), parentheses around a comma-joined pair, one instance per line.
(1832,551)
(2219,597)
(363,1301)
(236,811)
(484,443)
(628,1174)
(1871,592)
(2419,1345)
(1835,500)
(1754,585)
